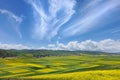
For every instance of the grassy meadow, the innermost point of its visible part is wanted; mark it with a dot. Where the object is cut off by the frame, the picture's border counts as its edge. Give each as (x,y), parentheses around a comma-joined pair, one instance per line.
(85,67)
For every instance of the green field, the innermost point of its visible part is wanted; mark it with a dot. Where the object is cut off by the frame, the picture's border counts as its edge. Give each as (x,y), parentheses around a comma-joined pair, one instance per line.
(85,67)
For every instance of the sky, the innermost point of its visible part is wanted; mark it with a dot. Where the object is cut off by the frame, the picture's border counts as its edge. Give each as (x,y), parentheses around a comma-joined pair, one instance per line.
(92,25)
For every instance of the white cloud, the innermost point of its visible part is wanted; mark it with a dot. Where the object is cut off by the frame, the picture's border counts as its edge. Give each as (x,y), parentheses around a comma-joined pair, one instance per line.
(13,17)
(48,21)
(93,13)
(13,46)
(107,45)
(59,12)
(51,45)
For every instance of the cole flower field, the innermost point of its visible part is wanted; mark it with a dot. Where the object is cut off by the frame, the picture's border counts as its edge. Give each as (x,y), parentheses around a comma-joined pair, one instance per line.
(84,67)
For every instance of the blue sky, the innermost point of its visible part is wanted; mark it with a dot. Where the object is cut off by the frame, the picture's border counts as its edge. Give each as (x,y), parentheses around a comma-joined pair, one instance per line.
(44,23)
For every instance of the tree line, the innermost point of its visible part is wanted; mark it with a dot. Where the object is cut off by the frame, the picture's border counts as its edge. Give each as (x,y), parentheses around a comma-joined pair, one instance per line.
(44,53)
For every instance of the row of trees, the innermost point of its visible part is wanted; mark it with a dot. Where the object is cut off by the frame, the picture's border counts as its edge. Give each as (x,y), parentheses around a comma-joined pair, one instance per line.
(43,53)
(5,53)
(35,53)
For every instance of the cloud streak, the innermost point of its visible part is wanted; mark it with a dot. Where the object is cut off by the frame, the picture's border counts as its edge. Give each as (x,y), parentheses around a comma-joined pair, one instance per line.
(59,12)
(95,12)
(50,21)
(13,17)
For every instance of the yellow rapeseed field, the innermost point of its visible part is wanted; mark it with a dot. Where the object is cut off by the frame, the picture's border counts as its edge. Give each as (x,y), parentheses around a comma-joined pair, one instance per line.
(61,68)
(88,75)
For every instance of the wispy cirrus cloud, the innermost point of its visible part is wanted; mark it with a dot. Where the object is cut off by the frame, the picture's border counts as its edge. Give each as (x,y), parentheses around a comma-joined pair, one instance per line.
(49,20)
(14,18)
(11,15)
(59,12)
(94,11)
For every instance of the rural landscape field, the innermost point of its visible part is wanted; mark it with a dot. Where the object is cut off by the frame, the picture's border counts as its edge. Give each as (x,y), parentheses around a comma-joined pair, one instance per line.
(85,66)
(59,39)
